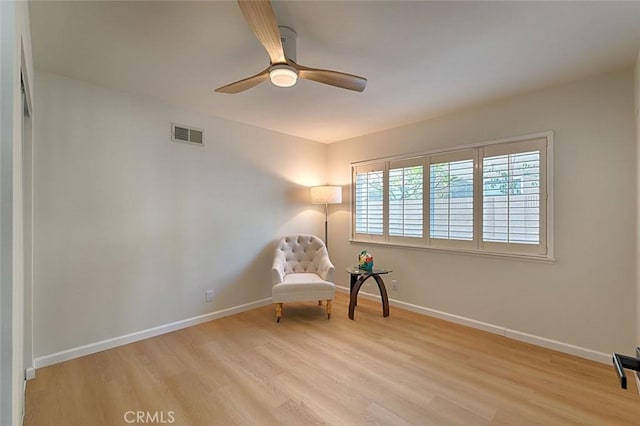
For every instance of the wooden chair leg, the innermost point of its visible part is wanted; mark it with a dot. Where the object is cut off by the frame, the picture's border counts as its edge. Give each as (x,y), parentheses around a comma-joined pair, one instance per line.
(278,311)
(328,309)
(319,302)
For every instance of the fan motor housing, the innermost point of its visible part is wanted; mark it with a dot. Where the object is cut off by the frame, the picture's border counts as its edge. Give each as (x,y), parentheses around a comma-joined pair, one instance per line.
(288,38)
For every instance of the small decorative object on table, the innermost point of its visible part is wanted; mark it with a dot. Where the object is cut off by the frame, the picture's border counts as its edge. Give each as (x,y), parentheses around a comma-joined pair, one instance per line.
(365,261)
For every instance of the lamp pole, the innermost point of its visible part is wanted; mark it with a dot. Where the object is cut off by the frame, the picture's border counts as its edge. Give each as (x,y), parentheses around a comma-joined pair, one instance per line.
(326,194)
(326,226)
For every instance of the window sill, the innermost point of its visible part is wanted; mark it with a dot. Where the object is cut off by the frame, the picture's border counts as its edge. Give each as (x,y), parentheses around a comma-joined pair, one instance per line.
(510,256)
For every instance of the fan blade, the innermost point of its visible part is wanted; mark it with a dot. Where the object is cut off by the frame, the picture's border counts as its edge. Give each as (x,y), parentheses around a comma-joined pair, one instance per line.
(260,17)
(332,78)
(247,83)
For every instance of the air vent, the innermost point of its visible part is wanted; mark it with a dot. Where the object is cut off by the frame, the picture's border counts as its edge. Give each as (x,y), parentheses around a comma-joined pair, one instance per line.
(196,136)
(180,133)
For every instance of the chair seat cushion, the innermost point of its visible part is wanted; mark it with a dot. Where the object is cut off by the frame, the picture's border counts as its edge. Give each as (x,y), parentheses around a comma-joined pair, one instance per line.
(300,287)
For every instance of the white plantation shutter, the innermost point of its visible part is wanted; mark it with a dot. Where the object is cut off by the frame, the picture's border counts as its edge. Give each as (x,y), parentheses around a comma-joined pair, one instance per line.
(491,198)
(451,198)
(369,200)
(514,196)
(406,199)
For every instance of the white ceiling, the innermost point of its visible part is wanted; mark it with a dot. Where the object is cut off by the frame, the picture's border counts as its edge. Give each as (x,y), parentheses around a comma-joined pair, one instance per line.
(422,59)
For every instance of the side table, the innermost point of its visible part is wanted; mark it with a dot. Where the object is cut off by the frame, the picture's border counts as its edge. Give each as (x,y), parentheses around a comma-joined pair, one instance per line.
(358,277)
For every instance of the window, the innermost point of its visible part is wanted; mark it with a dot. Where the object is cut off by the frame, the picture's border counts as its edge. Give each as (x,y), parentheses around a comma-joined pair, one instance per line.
(513,204)
(487,198)
(451,210)
(406,199)
(369,200)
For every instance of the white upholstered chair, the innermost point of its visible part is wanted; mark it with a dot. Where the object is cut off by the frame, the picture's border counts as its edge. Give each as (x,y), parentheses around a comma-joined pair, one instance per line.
(302,272)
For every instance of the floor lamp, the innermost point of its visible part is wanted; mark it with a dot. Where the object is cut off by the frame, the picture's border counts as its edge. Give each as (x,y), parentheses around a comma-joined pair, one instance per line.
(326,195)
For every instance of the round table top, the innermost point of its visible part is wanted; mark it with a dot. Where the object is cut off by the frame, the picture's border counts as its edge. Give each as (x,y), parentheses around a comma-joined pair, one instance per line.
(354,270)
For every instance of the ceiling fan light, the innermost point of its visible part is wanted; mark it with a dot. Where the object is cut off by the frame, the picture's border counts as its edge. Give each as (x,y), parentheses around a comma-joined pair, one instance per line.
(283,75)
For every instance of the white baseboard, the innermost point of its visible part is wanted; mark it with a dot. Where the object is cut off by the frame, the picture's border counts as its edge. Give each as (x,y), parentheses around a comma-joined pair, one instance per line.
(491,328)
(566,348)
(30,373)
(91,348)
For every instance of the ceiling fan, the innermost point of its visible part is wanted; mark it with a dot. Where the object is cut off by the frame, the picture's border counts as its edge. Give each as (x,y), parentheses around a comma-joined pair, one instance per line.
(280,44)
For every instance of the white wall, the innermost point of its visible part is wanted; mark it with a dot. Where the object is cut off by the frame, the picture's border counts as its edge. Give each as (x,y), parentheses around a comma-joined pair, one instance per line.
(130,229)
(15,58)
(587,297)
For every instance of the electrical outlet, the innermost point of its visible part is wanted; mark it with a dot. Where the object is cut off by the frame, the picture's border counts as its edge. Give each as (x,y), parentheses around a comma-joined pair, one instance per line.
(394,285)
(209,295)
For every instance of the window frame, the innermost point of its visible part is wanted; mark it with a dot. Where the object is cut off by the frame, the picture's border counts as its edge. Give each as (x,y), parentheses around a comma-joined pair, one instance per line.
(513,148)
(543,251)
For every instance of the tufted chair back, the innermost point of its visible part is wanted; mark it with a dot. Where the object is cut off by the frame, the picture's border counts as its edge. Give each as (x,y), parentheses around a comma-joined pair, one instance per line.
(299,254)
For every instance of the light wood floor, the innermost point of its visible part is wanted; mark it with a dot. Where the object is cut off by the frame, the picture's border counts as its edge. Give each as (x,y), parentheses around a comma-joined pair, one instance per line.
(404,369)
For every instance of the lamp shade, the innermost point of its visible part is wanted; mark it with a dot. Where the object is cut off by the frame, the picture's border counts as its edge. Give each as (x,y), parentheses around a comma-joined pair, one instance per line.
(326,194)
